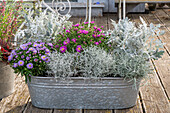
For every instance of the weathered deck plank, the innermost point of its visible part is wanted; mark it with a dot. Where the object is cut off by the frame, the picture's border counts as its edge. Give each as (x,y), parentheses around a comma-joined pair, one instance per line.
(31,109)
(167,11)
(98,111)
(102,21)
(135,109)
(67,111)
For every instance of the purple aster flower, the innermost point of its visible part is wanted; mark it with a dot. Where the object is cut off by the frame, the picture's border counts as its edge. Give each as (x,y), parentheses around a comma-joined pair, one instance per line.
(50,44)
(15,65)
(86,22)
(31,49)
(74,40)
(44,48)
(97,43)
(67,31)
(27,52)
(10,58)
(56,46)
(94,35)
(35,45)
(76,25)
(39,54)
(63,49)
(76,29)
(29,65)
(13,53)
(24,47)
(20,62)
(22,56)
(100,41)
(40,61)
(47,54)
(78,36)
(35,51)
(47,50)
(35,60)
(29,43)
(102,34)
(20,52)
(47,60)
(16,56)
(43,57)
(78,48)
(102,38)
(27,58)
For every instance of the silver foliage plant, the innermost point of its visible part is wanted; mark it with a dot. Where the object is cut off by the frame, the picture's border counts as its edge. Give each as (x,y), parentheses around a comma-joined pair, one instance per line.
(133,47)
(92,62)
(134,40)
(44,26)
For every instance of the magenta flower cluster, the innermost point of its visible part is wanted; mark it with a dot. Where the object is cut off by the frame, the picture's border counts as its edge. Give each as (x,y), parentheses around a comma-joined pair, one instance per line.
(79,37)
(30,58)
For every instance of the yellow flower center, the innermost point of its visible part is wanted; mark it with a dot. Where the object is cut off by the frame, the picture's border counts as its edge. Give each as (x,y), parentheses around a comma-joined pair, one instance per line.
(79,48)
(20,62)
(62,49)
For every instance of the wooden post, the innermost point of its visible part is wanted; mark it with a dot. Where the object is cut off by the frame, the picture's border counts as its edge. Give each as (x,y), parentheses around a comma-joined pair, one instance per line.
(89,12)
(124,9)
(120,12)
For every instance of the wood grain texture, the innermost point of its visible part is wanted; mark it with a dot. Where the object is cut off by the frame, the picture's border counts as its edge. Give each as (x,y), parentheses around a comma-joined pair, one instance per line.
(31,109)
(67,111)
(98,111)
(167,11)
(15,103)
(135,109)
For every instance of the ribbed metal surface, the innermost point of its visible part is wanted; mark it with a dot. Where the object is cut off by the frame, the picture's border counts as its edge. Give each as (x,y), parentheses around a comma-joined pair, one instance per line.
(80,93)
(6,80)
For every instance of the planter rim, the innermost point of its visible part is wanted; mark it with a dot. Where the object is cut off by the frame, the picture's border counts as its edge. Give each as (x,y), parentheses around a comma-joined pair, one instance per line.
(80,78)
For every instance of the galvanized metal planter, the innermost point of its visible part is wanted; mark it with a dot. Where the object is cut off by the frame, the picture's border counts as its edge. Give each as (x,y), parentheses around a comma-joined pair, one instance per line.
(82,93)
(6,80)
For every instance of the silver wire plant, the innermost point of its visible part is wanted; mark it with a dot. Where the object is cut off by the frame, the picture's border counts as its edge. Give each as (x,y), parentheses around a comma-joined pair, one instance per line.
(92,62)
(43,26)
(133,47)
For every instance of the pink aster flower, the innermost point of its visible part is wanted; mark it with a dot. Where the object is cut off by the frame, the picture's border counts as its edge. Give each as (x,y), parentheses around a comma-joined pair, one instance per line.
(74,40)
(81,27)
(76,25)
(78,36)
(100,41)
(99,29)
(78,48)
(98,35)
(63,49)
(94,35)
(66,41)
(92,22)
(85,32)
(67,31)
(95,27)
(97,43)
(86,22)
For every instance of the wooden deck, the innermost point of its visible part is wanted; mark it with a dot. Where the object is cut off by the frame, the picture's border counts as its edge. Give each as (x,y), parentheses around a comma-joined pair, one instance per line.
(153,97)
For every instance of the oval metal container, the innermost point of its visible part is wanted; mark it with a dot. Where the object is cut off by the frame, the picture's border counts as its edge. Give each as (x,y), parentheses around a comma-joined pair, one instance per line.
(7,77)
(82,93)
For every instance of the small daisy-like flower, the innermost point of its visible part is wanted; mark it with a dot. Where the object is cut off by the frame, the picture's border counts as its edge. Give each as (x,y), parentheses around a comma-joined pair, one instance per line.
(29,65)
(15,65)
(78,36)
(63,49)
(97,43)
(50,44)
(67,31)
(20,62)
(10,58)
(24,47)
(35,45)
(66,41)
(76,25)
(95,27)
(56,46)
(27,52)
(35,60)
(47,60)
(98,35)
(74,40)
(86,22)
(78,48)
(47,54)
(94,35)
(100,41)
(92,22)
(47,50)
(85,32)
(27,58)
(98,29)
(43,57)
(22,56)
(31,49)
